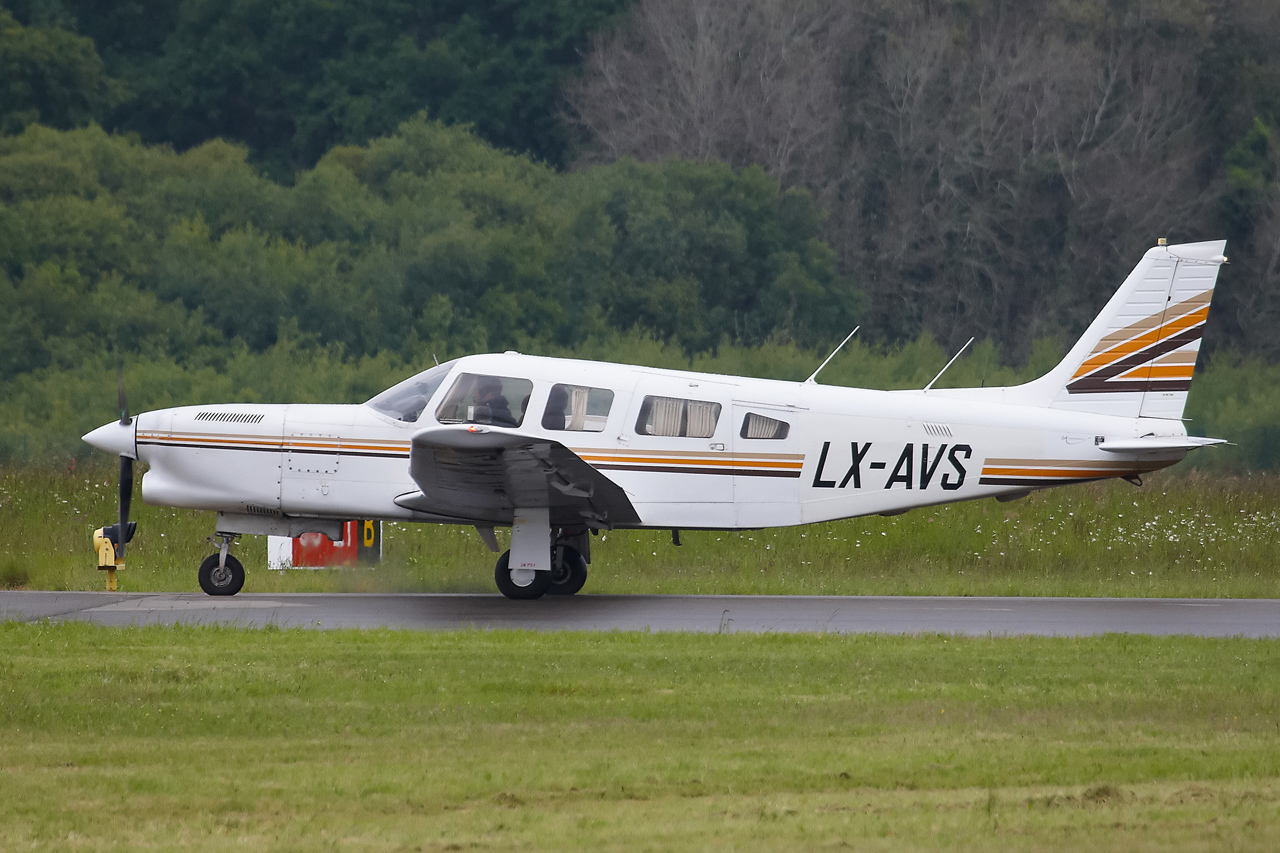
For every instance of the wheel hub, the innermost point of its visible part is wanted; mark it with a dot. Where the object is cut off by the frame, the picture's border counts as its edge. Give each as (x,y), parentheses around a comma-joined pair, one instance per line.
(523,577)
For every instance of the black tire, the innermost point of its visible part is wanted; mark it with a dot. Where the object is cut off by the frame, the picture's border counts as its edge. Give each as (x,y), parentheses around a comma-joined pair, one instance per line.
(227,582)
(509,588)
(568,571)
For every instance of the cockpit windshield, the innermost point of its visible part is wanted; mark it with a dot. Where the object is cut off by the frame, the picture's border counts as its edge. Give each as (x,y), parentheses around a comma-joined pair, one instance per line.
(405,401)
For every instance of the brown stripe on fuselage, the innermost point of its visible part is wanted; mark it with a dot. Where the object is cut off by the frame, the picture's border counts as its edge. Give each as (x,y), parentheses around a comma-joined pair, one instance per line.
(727,461)
(627,451)
(1057,463)
(681,469)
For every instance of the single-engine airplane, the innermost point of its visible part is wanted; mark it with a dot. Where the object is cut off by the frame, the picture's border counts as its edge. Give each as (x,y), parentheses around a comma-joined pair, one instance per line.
(560,448)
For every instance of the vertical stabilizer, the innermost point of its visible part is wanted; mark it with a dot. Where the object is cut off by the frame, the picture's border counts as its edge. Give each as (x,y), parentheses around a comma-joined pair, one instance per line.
(1137,357)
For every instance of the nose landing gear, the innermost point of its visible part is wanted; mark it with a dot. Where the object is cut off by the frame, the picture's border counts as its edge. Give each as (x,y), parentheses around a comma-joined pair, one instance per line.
(221,573)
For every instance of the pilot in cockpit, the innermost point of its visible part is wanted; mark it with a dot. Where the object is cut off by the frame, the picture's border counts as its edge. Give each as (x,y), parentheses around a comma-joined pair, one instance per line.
(489,396)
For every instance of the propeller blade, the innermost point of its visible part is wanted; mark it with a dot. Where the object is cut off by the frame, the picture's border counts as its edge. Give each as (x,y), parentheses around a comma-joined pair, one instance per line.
(126,493)
(125,419)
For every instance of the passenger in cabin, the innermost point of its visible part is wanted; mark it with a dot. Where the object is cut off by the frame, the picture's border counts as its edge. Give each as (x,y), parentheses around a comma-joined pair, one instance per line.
(489,398)
(557,401)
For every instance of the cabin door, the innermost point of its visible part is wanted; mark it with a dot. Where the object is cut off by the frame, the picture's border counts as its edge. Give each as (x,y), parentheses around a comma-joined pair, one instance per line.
(678,451)
(767,464)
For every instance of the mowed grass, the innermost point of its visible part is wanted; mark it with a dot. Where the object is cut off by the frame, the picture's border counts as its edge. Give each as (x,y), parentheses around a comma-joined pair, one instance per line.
(215,738)
(1189,534)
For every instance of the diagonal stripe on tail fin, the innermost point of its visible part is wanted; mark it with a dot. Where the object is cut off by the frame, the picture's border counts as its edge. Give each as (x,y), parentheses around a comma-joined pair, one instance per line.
(1138,356)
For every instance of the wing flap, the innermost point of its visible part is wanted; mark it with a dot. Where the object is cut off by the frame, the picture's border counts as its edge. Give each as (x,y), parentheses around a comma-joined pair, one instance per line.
(480,475)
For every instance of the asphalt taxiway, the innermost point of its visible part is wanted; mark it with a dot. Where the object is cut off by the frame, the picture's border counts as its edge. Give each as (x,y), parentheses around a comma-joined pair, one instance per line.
(696,613)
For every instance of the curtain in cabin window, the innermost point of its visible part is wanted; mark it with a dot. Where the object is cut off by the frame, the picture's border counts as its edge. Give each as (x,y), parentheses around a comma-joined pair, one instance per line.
(578,408)
(702,419)
(758,426)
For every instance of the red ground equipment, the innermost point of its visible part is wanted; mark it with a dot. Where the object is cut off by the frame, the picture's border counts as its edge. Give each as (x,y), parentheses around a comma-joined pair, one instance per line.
(361,543)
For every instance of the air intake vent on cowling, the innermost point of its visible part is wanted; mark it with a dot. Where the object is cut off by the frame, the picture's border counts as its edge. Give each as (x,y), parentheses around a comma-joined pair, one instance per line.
(937,430)
(230,417)
(261,510)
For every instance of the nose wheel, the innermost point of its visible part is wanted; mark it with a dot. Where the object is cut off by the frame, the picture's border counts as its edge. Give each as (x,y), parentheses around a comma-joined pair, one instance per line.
(225,579)
(221,573)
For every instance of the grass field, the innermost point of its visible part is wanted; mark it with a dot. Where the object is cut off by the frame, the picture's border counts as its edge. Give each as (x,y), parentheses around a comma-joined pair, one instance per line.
(209,738)
(1184,534)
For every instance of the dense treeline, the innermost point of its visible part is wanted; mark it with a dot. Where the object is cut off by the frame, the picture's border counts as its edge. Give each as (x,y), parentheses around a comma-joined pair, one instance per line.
(988,168)
(245,200)
(293,78)
(426,239)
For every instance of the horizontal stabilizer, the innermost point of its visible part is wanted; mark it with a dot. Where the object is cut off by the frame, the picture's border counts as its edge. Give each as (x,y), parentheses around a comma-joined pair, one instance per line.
(1158,444)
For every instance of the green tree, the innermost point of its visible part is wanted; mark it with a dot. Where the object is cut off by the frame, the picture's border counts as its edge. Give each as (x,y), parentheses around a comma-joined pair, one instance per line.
(50,76)
(293,78)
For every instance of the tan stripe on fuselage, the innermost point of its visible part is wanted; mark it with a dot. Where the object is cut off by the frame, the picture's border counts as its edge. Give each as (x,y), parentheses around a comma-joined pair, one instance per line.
(1057,463)
(709,459)
(715,462)
(1066,473)
(596,451)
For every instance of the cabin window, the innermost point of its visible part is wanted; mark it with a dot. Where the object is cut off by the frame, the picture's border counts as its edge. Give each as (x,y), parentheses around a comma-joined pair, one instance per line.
(676,417)
(758,426)
(480,399)
(577,408)
(405,401)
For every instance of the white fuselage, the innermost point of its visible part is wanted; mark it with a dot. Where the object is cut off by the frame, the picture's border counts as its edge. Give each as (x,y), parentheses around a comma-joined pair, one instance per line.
(846,451)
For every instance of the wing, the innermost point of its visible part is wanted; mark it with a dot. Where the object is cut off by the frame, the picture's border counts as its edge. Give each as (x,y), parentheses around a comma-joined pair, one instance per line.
(479,475)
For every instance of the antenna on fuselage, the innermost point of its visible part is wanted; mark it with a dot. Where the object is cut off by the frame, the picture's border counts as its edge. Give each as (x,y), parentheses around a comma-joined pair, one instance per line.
(948,364)
(814,375)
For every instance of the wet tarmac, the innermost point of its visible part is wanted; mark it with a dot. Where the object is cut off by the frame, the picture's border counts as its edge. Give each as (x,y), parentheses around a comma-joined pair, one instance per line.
(1069,617)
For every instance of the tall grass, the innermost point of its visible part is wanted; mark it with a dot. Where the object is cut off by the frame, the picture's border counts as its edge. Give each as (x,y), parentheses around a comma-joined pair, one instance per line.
(1188,534)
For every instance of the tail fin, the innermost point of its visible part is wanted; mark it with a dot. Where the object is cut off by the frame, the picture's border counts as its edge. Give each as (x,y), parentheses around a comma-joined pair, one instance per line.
(1137,357)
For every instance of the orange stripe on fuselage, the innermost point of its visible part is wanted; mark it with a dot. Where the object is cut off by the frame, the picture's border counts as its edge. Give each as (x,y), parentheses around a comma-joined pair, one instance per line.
(225,440)
(1053,472)
(708,462)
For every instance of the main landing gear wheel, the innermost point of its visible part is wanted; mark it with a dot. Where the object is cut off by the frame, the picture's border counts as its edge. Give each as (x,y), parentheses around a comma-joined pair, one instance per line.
(568,571)
(521,585)
(221,580)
